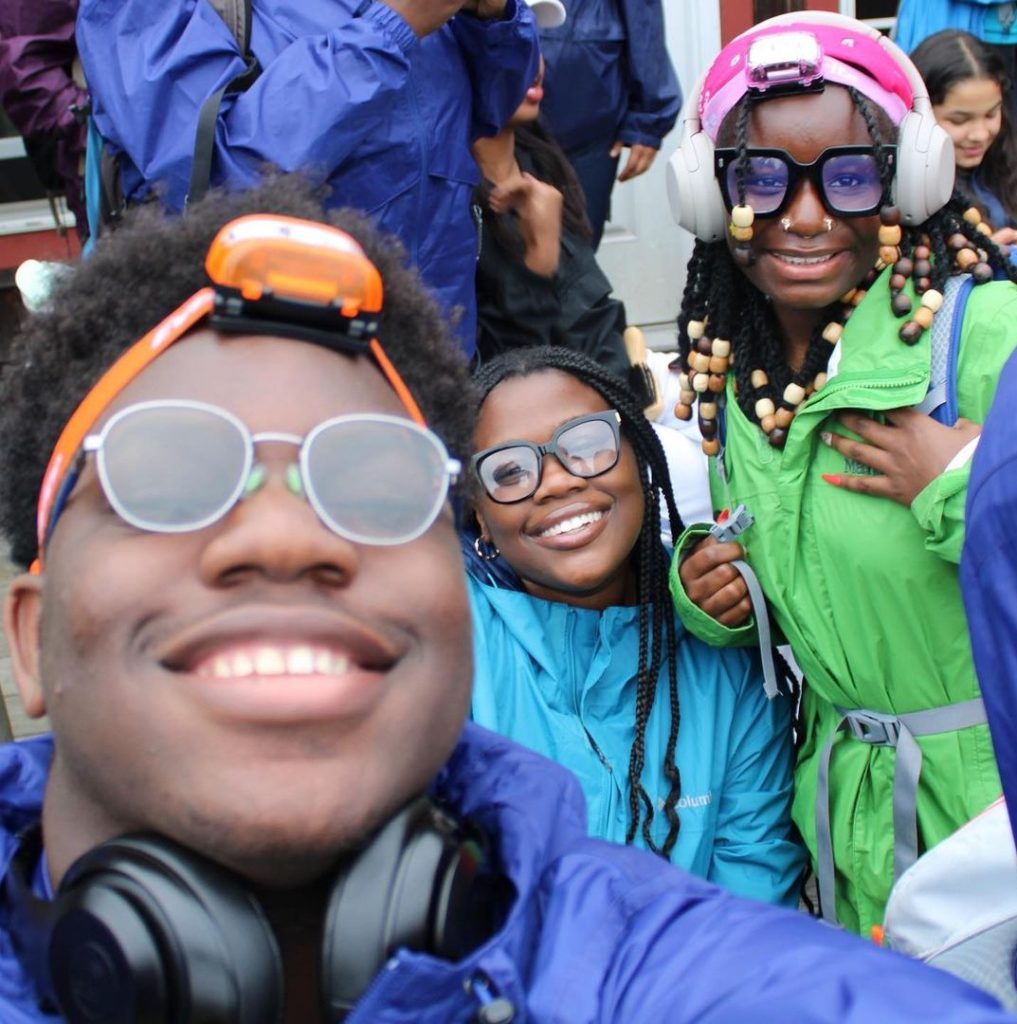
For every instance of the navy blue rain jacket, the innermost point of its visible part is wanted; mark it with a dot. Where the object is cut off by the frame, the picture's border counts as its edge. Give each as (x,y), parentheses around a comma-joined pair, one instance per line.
(609,76)
(988,574)
(597,933)
(347,93)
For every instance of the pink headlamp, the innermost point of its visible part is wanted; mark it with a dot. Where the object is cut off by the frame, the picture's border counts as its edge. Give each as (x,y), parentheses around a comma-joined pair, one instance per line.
(796,56)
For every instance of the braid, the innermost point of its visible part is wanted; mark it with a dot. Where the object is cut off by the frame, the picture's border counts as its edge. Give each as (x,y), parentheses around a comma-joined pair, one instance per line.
(657,634)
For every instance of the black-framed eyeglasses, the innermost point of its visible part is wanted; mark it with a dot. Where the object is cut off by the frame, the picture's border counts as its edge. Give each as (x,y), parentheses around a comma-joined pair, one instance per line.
(848,178)
(586,446)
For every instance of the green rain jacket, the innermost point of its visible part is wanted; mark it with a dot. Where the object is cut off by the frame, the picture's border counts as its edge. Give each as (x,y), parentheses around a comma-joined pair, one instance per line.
(866,591)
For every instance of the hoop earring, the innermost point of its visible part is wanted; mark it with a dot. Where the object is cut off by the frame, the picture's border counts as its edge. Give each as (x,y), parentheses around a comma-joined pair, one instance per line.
(485,549)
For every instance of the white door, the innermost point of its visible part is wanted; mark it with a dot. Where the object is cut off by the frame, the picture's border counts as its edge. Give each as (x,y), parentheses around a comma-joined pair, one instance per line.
(643,251)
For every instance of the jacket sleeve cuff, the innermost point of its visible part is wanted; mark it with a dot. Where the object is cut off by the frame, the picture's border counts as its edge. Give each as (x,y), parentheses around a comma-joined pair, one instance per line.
(939,509)
(393,24)
(632,136)
(693,618)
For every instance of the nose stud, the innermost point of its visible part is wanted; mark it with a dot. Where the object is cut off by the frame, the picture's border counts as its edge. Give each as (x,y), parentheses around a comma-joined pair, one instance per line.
(785,223)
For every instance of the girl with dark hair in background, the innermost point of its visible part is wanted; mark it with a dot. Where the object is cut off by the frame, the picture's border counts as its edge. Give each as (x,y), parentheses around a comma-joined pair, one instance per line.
(582,658)
(967,85)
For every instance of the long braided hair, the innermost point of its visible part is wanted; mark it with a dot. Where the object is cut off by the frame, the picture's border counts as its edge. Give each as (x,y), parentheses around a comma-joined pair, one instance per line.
(657,635)
(716,288)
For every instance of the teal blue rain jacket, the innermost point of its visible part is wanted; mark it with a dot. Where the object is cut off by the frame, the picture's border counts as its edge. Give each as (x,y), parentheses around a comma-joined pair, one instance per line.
(561,680)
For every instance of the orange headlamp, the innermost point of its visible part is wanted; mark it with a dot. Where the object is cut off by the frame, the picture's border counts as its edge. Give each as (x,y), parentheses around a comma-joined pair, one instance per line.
(270,275)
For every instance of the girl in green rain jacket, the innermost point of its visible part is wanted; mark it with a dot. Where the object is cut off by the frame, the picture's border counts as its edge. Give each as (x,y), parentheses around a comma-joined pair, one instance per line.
(858,499)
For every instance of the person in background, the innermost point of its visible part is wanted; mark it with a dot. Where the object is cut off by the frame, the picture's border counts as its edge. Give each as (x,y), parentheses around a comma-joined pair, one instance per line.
(40,95)
(676,745)
(378,100)
(611,87)
(967,83)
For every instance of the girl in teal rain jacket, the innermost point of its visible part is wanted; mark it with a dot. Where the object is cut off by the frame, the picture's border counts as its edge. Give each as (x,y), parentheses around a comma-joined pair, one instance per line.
(577,652)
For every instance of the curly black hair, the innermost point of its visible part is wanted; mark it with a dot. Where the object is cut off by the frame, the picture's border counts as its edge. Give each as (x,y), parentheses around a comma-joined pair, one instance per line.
(139,275)
(656,616)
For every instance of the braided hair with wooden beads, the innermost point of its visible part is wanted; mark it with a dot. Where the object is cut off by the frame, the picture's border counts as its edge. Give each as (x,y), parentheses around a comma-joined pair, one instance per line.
(726,324)
(657,634)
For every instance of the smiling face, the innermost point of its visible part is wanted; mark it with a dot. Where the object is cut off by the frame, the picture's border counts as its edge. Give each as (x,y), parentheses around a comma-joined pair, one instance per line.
(261,690)
(808,257)
(972,114)
(570,541)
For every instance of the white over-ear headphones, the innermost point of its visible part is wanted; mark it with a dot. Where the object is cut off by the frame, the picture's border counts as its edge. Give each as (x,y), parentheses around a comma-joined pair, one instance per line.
(925,167)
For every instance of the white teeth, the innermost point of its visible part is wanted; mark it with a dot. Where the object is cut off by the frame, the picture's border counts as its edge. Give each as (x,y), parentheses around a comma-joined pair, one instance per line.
(299,660)
(571,524)
(803,260)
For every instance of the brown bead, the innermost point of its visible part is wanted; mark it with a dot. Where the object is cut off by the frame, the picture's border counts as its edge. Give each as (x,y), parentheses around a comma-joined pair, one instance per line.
(966,259)
(768,423)
(888,254)
(904,266)
(923,316)
(923,284)
(982,273)
(708,428)
(744,257)
(910,332)
(901,304)
(683,411)
(784,417)
(922,252)
(711,446)
(923,268)
(897,282)
(718,364)
(704,346)
(957,241)
(777,437)
(718,381)
(889,215)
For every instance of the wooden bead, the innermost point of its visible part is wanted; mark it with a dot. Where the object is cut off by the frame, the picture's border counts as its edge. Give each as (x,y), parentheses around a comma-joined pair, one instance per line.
(784,418)
(701,382)
(721,347)
(859,297)
(711,447)
(832,332)
(743,255)
(708,410)
(743,216)
(922,252)
(888,254)
(889,234)
(794,394)
(848,297)
(683,411)
(923,284)
(923,316)
(708,428)
(904,266)
(923,268)
(688,397)
(764,407)
(966,258)
(910,332)
(777,437)
(984,228)
(932,299)
(695,329)
(901,304)
(982,273)
(897,282)
(699,361)
(759,379)
(889,215)
(820,382)
(705,346)
(684,381)
(718,364)
(972,215)
(768,423)
(957,241)
(740,234)
(717,382)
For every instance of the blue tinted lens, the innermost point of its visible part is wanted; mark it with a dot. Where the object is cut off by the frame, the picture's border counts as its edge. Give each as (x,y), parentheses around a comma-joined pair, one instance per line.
(766,180)
(851,183)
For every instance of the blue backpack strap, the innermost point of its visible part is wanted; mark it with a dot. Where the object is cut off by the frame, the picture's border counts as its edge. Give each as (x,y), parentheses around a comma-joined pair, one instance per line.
(940,401)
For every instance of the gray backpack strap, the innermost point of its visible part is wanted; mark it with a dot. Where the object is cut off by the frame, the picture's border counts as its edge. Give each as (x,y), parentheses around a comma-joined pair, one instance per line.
(940,342)
(237,16)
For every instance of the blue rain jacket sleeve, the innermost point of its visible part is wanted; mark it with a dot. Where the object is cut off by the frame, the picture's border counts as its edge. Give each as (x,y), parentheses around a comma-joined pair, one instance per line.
(988,573)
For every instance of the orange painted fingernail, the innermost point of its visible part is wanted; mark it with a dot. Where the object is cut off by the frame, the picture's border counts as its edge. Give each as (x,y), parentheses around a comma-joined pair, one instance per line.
(833,478)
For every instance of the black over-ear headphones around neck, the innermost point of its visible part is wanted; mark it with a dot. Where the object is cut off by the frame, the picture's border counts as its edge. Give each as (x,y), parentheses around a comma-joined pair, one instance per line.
(144,930)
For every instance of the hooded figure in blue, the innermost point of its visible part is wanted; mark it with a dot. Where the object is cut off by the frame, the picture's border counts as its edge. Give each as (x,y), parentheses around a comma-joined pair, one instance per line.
(581,658)
(254,695)
(378,99)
